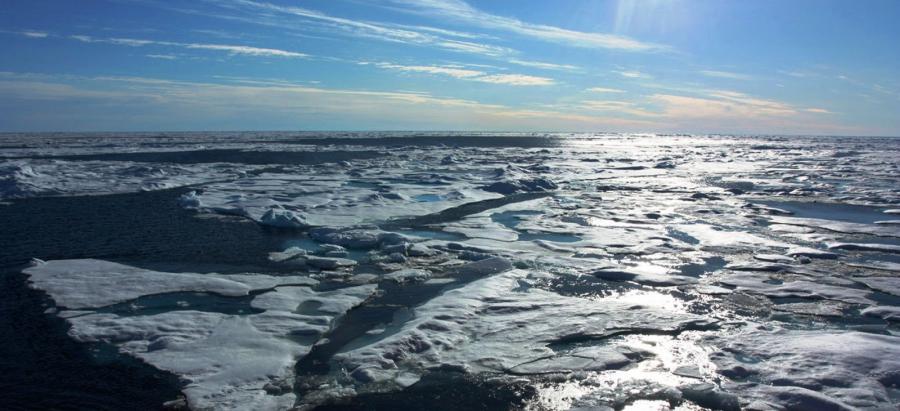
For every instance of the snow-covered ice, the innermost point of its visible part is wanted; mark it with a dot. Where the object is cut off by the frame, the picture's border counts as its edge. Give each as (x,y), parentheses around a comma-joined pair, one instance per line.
(601,270)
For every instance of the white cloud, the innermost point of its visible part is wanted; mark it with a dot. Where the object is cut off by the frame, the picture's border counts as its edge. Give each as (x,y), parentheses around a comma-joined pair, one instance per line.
(544,65)
(462,11)
(127,103)
(817,110)
(244,50)
(34,34)
(725,74)
(472,75)
(419,35)
(474,48)
(448,71)
(604,90)
(721,105)
(162,56)
(632,74)
(516,80)
(619,107)
(798,74)
(230,49)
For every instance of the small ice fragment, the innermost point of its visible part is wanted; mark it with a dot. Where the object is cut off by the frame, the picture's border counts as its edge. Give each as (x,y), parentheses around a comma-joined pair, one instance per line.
(774,258)
(888,313)
(329,263)
(281,218)
(408,275)
(811,253)
(888,248)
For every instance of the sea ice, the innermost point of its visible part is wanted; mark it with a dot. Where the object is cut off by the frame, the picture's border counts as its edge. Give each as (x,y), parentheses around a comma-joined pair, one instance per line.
(494,324)
(811,370)
(231,362)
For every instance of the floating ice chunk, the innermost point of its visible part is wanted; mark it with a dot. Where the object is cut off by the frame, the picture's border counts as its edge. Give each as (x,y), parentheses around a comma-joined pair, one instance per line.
(521,186)
(759,284)
(890,285)
(664,164)
(88,283)
(408,275)
(803,399)
(709,396)
(362,239)
(709,236)
(845,369)
(330,303)
(784,228)
(754,266)
(281,218)
(264,282)
(40,177)
(595,360)
(878,265)
(482,227)
(770,209)
(774,258)
(230,362)
(225,359)
(888,222)
(288,254)
(644,274)
(819,308)
(888,248)
(840,226)
(888,313)
(712,290)
(810,252)
(420,250)
(482,268)
(892,211)
(329,263)
(190,200)
(493,324)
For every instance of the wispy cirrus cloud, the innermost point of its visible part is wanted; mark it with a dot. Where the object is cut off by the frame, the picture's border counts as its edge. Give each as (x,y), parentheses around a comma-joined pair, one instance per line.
(728,110)
(725,74)
(632,74)
(454,72)
(35,34)
(516,80)
(230,49)
(472,75)
(274,14)
(604,90)
(618,107)
(721,105)
(135,103)
(544,65)
(461,11)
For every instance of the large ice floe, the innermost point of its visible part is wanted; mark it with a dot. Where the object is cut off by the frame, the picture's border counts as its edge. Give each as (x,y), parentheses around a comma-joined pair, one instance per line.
(599,271)
(228,361)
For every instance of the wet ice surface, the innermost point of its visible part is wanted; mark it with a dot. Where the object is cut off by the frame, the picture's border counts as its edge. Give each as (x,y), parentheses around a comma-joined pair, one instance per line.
(562,271)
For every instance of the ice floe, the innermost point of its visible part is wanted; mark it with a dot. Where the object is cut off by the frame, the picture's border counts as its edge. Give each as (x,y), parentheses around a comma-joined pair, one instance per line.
(789,369)
(230,362)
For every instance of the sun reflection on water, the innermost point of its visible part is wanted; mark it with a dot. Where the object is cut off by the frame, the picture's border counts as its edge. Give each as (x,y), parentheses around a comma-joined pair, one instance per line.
(650,384)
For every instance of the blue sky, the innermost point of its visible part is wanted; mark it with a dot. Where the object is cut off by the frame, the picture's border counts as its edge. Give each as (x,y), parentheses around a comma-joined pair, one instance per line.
(698,66)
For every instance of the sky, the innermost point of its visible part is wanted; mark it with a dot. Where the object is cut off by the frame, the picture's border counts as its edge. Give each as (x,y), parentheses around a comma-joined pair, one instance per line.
(666,66)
